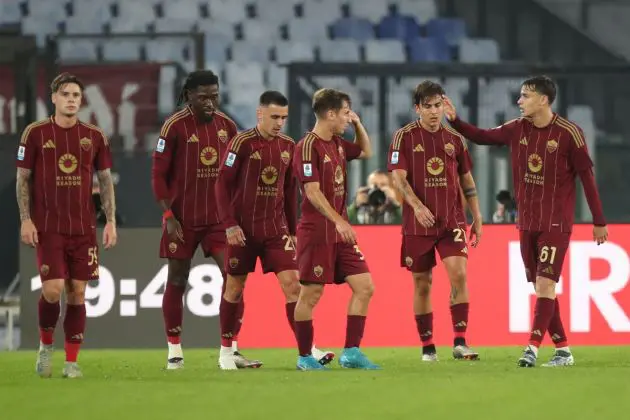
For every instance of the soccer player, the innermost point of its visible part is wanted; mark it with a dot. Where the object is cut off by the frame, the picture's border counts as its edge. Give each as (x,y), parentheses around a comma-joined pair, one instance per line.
(56,160)
(548,152)
(259,194)
(327,251)
(429,161)
(185,168)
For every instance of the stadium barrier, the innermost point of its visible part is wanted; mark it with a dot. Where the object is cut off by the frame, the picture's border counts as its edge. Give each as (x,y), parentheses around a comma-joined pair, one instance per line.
(124,305)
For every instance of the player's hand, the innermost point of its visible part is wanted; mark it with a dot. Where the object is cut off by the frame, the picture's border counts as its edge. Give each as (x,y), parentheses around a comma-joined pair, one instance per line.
(424,216)
(110,236)
(449,108)
(475,232)
(600,234)
(174,230)
(347,233)
(354,118)
(28,233)
(235,236)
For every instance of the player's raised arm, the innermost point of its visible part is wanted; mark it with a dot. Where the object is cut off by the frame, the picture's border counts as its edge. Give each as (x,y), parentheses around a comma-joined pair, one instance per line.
(103,164)
(498,136)
(361,141)
(25,161)
(224,188)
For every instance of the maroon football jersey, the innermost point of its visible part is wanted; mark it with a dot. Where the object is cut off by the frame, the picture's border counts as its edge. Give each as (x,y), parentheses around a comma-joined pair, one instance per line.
(186,164)
(434,163)
(62,161)
(256,185)
(318,160)
(545,163)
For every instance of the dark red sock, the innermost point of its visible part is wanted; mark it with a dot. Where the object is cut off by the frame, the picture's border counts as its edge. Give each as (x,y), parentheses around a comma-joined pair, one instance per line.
(74,327)
(556,329)
(228,312)
(459,315)
(354,331)
(173,311)
(424,323)
(290,310)
(543,313)
(48,317)
(304,336)
(240,311)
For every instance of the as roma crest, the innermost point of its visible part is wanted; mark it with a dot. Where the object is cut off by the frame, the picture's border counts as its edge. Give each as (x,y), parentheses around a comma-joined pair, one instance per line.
(286,157)
(233,262)
(86,143)
(449,149)
(552,146)
(318,270)
(341,152)
(223,135)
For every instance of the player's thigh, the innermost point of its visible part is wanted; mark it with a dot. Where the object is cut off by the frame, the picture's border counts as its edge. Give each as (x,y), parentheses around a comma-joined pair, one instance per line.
(178,250)
(213,240)
(417,253)
(529,253)
(278,254)
(51,257)
(75,291)
(552,248)
(316,263)
(454,253)
(82,255)
(241,260)
(349,261)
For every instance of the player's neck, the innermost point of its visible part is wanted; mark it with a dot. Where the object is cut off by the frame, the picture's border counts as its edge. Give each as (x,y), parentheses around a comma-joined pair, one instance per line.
(64,121)
(263,133)
(430,128)
(323,132)
(543,118)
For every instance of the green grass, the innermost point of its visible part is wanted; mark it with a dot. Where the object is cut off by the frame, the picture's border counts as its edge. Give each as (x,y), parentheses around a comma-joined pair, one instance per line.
(133,385)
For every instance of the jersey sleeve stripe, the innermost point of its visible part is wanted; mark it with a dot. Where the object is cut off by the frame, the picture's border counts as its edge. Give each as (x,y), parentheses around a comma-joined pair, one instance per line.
(27,130)
(172,120)
(456,134)
(221,114)
(286,138)
(307,149)
(95,128)
(571,128)
(400,133)
(239,139)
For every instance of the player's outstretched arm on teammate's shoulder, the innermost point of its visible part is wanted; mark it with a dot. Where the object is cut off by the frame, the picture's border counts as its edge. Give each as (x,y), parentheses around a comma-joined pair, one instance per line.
(496,136)
(362,138)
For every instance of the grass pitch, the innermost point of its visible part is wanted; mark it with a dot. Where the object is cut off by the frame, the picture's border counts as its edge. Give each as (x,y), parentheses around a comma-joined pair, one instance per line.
(134,385)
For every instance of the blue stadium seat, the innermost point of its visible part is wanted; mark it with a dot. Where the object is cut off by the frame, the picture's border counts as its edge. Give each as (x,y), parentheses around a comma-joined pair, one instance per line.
(339,51)
(288,51)
(385,51)
(449,29)
(422,10)
(246,51)
(10,11)
(353,28)
(428,49)
(398,27)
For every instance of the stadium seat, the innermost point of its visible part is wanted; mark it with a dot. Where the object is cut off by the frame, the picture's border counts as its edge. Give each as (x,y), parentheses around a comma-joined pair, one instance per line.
(244,51)
(46,9)
(92,9)
(221,32)
(277,78)
(339,51)
(230,11)
(275,11)
(449,29)
(307,30)
(478,51)
(10,11)
(288,51)
(84,25)
(170,49)
(353,28)
(254,30)
(385,51)
(242,79)
(121,50)
(216,51)
(398,27)
(128,25)
(140,11)
(370,10)
(244,113)
(324,11)
(181,9)
(77,50)
(40,28)
(164,25)
(428,49)
(422,10)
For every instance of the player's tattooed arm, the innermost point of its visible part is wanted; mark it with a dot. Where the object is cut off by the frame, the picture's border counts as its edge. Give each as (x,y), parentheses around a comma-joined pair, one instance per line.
(470,193)
(108,200)
(316,197)
(23,191)
(402,185)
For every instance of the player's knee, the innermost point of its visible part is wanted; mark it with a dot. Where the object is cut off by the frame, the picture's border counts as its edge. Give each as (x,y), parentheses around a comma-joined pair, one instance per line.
(52,289)
(365,291)
(178,278)
(234,288)
(310,295)
(458,277)
(423,282)
(291,291)
(545,287)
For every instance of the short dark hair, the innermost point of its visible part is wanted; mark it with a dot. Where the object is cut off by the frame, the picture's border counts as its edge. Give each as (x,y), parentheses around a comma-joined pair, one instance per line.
(427,90)
(274,97)
(325,100)
(543,85)
(64,79)
(195,79)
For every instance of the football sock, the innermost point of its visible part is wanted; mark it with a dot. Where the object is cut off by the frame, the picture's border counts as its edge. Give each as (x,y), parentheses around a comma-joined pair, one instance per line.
(48,317)
(173,311)
(74,327)
(290,310)
(543,313)
(556,329)
(424,324)
(227,318)
(459,315)
(304,336)
(354,330)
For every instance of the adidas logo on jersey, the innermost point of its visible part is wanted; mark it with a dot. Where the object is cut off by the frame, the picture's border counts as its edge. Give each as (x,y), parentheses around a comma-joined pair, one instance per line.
(326,158)
(524,141)
(418,148)
(255,155)
(193,139)
(49,145)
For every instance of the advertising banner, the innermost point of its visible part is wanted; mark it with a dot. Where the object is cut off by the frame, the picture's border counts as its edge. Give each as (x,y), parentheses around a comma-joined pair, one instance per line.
(124,306)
